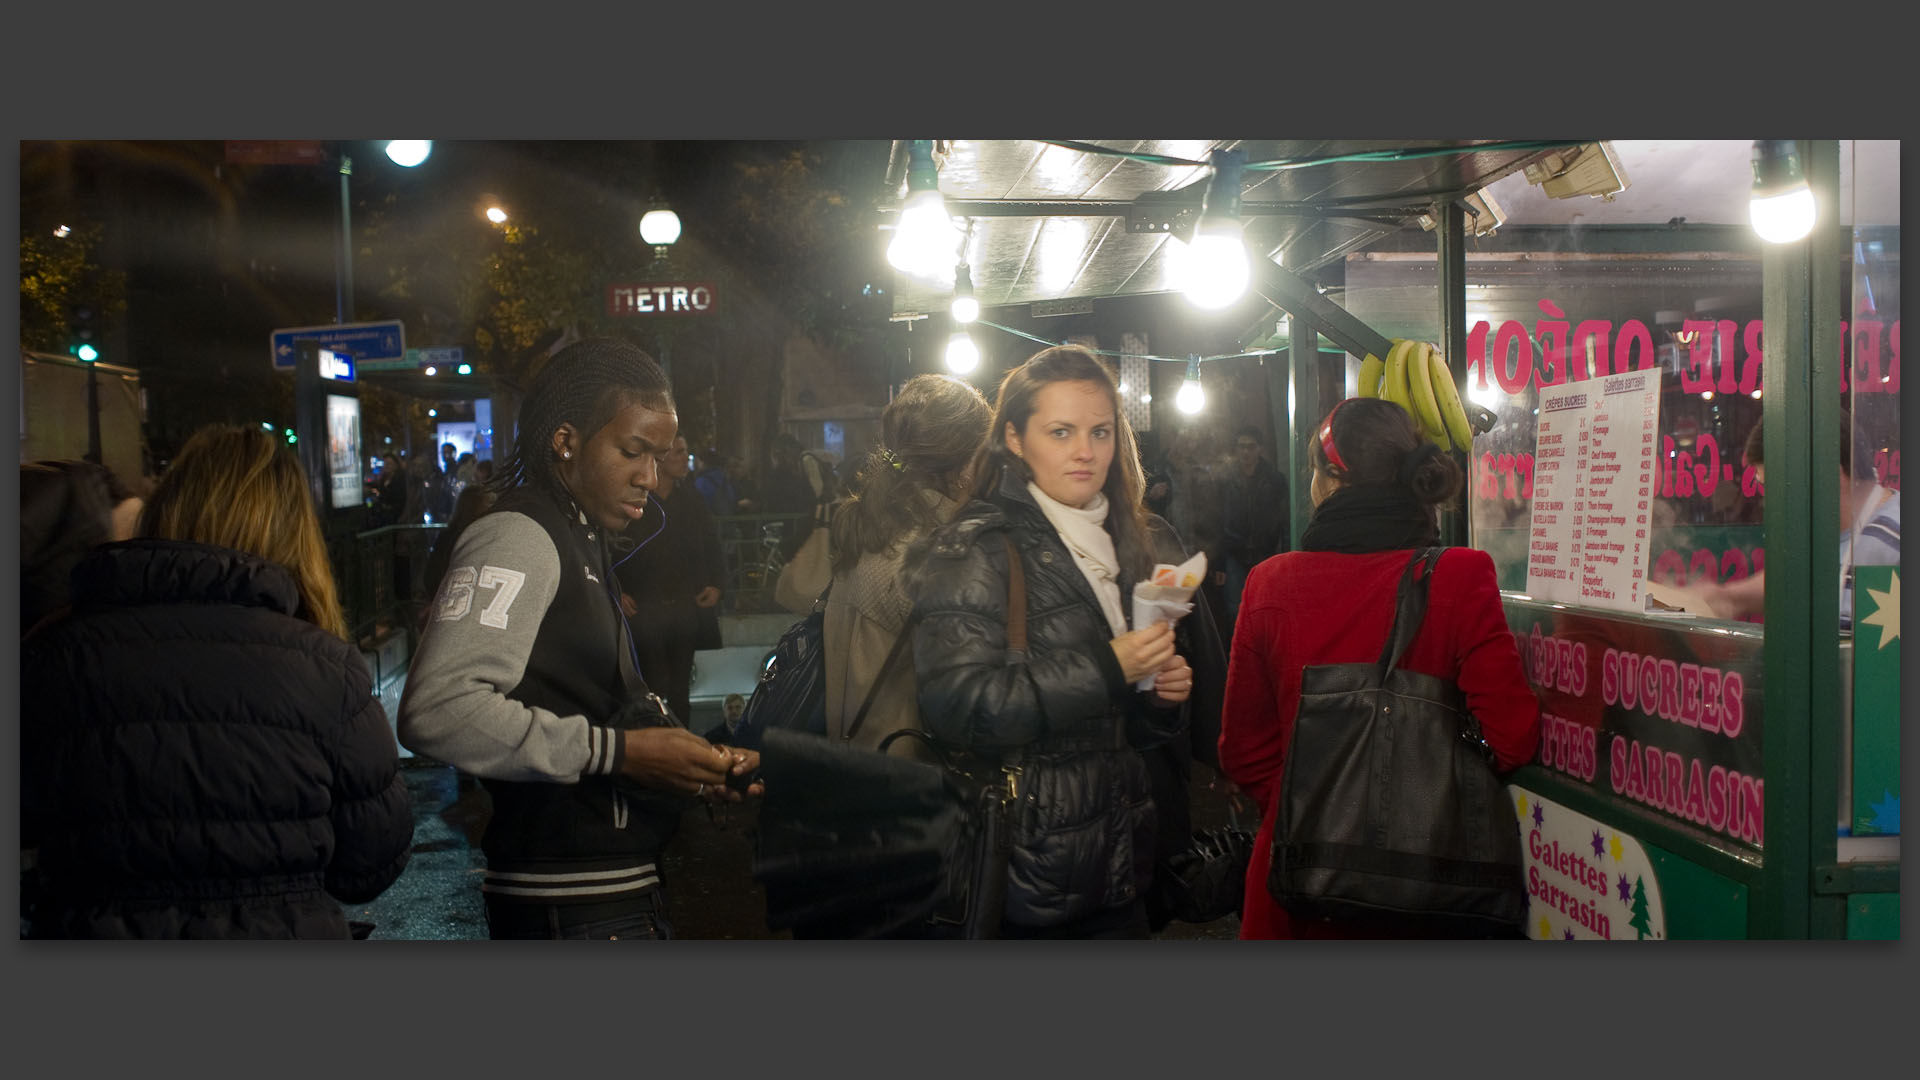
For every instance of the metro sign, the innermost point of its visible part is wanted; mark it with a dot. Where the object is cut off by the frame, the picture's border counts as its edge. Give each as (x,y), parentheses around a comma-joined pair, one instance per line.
(661,298)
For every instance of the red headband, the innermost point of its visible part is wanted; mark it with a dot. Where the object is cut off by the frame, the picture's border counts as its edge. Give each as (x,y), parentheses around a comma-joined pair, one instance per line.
(1326,440)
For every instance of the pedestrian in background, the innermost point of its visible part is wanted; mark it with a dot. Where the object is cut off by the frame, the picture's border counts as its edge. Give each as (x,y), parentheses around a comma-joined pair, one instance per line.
(202,752)
(389,492)
(715,486)
(527,678)
(66,509)
(1058,478)
(914,481)
(1376,484)
(670,583)
(1253,516)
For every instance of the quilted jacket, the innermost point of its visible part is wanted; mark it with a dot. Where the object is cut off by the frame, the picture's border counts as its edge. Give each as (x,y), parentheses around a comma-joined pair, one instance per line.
(1064,713)
(199,762)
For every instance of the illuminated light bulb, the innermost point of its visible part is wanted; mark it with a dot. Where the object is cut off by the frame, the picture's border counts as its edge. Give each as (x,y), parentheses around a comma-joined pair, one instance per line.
(924,238)
(407,153)
(1756,394)
(1192,397)
(1146,399)
(465,369)
(1122,388)
(659,227)
(1706,395)
(63,231)
(433,412)
(965,307)
(1782,207)
(496,215)
(431,370)
(1782,219)
(1213,269)
(962,354)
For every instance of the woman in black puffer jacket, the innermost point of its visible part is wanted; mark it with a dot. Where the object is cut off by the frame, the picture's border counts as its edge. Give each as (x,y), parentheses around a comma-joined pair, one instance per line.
(1060,478)
(202,753)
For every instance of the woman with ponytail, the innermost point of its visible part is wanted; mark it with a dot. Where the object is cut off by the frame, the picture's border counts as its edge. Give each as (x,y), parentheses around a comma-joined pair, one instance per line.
(912,484)
(1377,483)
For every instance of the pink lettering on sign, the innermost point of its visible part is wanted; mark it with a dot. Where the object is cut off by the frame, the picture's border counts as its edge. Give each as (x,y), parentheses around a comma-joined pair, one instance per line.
(1722,355)
(1725,801)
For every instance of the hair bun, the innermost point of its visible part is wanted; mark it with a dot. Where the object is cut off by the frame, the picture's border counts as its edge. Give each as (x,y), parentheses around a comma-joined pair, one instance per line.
(1411,461)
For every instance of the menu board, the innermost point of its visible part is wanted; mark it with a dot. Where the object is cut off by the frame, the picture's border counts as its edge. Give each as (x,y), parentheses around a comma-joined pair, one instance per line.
(1592,491)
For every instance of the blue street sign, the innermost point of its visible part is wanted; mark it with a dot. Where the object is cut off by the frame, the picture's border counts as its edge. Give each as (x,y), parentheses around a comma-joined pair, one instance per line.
(374,341)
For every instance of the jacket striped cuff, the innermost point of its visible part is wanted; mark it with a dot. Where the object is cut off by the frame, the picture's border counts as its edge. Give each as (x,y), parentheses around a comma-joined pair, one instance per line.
(605,751)
(581,885)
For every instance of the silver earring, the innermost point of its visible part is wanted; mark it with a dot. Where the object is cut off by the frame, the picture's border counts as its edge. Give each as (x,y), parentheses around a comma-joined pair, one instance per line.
(566,453)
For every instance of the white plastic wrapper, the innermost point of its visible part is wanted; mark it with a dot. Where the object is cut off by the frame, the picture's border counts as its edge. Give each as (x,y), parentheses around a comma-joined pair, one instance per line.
(1167,596)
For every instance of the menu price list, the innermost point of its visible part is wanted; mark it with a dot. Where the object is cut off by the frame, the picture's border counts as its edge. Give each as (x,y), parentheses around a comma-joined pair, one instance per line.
(1593,473)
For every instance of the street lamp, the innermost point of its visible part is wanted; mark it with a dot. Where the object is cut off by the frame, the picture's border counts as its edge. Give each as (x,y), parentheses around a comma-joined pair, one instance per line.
(407,153)
(496,215)
(404,152)
(660,226)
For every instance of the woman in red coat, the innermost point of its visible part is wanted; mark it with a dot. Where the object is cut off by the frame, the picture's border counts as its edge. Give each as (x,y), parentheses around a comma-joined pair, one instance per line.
(1376,482)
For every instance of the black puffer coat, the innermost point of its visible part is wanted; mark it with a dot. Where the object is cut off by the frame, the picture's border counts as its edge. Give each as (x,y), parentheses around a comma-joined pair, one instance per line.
(1084,825)
(196,761)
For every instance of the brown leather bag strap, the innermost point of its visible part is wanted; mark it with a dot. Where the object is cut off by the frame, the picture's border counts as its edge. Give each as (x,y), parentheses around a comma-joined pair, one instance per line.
(1016,599)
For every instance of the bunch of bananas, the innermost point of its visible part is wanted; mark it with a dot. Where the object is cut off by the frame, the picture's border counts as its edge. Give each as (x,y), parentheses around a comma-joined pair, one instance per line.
(1415,377)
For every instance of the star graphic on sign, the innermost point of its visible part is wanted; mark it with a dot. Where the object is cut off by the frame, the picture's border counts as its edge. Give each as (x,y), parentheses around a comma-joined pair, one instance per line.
(1614,845)
(1626,890)
(1599,845)
(1567,933)
(1539,816)
(1886,614)
(1886,813)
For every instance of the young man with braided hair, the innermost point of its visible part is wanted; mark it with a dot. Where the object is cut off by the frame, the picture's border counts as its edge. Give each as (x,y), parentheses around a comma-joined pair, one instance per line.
(526,675)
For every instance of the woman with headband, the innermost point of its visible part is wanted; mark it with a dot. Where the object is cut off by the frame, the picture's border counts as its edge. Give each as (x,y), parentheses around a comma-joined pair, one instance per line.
(1376,485)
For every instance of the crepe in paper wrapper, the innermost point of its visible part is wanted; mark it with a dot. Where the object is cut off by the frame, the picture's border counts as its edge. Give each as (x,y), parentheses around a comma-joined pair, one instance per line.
(1166,596)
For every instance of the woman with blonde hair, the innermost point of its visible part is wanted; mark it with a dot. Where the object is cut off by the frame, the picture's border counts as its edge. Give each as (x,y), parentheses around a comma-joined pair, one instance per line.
(1057,486)
(203,755)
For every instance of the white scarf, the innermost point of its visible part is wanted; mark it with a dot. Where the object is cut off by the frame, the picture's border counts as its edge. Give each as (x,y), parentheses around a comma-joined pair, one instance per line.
(1084,533)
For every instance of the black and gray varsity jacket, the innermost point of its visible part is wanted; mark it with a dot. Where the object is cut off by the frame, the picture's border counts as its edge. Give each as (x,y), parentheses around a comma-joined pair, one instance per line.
(524,664)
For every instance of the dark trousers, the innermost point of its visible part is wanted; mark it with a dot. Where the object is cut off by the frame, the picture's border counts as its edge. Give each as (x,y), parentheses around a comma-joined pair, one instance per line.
(666,662)
(643,918)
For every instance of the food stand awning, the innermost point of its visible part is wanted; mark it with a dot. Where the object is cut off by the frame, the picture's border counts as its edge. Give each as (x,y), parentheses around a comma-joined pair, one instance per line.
(1055,222)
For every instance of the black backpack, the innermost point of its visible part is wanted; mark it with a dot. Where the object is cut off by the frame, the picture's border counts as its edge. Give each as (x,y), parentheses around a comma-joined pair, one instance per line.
(792,692)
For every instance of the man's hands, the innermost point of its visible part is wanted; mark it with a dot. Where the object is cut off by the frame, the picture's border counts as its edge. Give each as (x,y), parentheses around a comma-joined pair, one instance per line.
(675,759)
